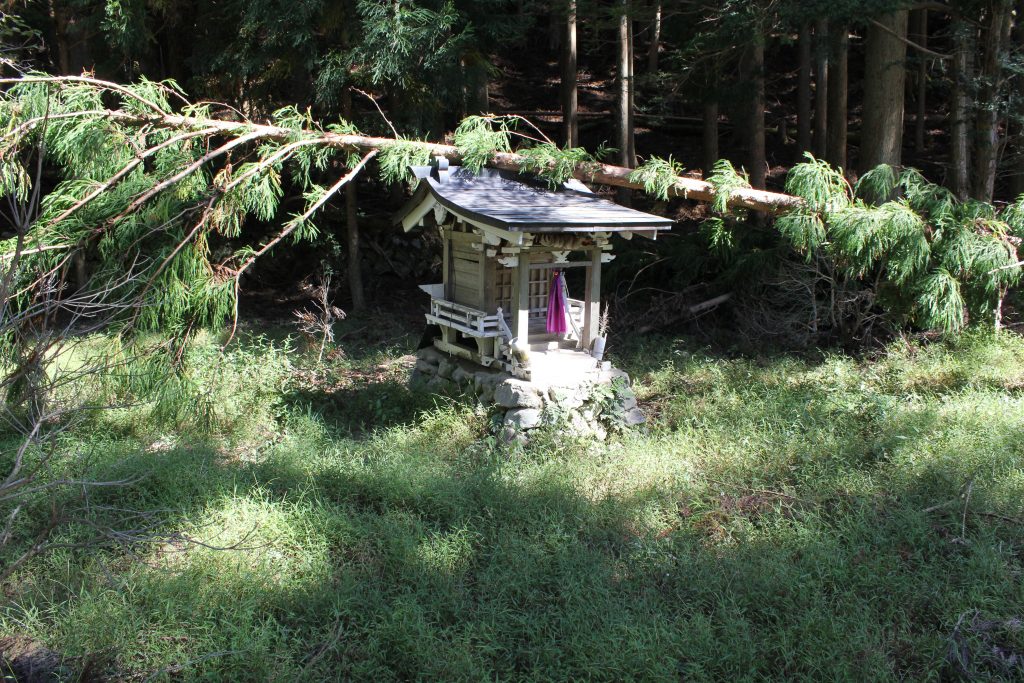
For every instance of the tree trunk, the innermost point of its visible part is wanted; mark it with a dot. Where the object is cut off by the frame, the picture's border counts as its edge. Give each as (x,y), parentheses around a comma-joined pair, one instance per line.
(1015,144)
(884,78)
(355,266)
(600,174)
(655,43)
(820,88)
(920,23)
(986,117)
(960,112)
(753,74)
(570,105)
(710,136)
(631,109)
(838,86)
(354,258)
(60,30)
(1016,180)
(803,92)
(624,129)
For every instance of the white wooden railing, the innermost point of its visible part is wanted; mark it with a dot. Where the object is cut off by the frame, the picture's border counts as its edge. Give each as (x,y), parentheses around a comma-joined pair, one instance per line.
(477,323)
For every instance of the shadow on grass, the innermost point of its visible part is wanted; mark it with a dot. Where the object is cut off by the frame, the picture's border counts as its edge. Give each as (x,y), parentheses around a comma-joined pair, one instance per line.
(780,530)
(416,557)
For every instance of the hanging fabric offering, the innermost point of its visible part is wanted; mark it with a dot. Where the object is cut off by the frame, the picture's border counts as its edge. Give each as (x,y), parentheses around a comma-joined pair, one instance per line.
(557,305)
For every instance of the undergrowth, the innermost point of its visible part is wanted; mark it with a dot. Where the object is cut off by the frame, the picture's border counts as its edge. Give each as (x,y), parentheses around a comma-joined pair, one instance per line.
(782,518)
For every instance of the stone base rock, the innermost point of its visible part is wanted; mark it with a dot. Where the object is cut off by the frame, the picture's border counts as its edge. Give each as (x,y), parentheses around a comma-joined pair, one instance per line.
(591,405)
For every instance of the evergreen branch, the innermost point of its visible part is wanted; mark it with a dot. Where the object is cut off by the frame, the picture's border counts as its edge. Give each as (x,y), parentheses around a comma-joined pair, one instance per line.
(263,164)
(128,168)
(26,126)
(187,171)
(101,84)
(294,224)
(601,174)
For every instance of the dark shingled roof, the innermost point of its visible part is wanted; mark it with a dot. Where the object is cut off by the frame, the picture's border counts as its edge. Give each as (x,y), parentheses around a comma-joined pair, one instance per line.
(519,203)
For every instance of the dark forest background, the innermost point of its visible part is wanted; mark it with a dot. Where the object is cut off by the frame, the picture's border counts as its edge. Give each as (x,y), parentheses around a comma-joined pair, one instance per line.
(930,85)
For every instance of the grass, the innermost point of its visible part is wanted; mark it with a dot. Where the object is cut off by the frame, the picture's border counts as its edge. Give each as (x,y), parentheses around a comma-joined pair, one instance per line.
(782,518)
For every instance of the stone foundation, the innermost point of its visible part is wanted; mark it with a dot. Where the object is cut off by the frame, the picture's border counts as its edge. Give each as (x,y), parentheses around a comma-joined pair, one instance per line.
(590,403)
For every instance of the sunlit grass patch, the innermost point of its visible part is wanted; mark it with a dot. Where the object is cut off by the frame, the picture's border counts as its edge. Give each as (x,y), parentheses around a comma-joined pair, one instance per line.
(816,517)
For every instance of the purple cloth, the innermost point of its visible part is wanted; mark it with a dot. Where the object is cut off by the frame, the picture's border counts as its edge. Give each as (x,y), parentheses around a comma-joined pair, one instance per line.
(556,306)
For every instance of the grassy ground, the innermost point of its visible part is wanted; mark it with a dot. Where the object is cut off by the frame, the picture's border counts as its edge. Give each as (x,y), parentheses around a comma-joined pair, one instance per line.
(782,518)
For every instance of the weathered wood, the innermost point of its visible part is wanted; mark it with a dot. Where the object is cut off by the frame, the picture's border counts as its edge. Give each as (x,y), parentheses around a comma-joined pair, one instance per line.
(521,299)
(592,300)
(447,265)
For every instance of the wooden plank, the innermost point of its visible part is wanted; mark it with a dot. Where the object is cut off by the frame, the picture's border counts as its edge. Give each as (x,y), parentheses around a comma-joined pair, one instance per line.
(467,266)
(467,296)
(456,350)
(592,300)
(464,239)
(521,299)
(446,265)
(487,284)
(465,329)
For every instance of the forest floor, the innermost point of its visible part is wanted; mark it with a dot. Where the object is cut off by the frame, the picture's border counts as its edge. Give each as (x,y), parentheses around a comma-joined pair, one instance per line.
(819,517)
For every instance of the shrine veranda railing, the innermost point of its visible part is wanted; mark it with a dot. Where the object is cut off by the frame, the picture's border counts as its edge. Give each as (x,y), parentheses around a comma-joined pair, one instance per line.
(477,323)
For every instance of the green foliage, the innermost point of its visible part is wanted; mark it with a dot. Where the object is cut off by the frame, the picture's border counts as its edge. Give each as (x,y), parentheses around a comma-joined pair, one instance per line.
(938,259)
(829,483)
(941,303)
(821,186)
(478,138)
(805,230)
(658,176)
(556,165)
(726,180)
(878,184)
(396,159)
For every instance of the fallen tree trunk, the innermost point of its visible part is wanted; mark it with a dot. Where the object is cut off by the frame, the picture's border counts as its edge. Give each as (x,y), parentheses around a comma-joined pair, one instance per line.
(601,174)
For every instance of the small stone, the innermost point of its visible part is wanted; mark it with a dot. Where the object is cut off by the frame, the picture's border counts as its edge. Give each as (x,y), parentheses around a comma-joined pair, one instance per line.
(634,417)
(445,368)
(430,355)
(568,398)
(515,393)
(417,380)
(426,368)
(522,418)
(609,376)
(439,385)
(462,377)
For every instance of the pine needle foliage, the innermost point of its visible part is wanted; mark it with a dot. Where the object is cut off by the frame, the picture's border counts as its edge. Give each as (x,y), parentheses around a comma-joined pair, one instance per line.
(556,165)
(726,180)
(480,137)
(396,159)
(658,176)
(141,204)
(941,263)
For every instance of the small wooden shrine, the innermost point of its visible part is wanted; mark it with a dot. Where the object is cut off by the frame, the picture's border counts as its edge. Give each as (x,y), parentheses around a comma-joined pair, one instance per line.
(505,238)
